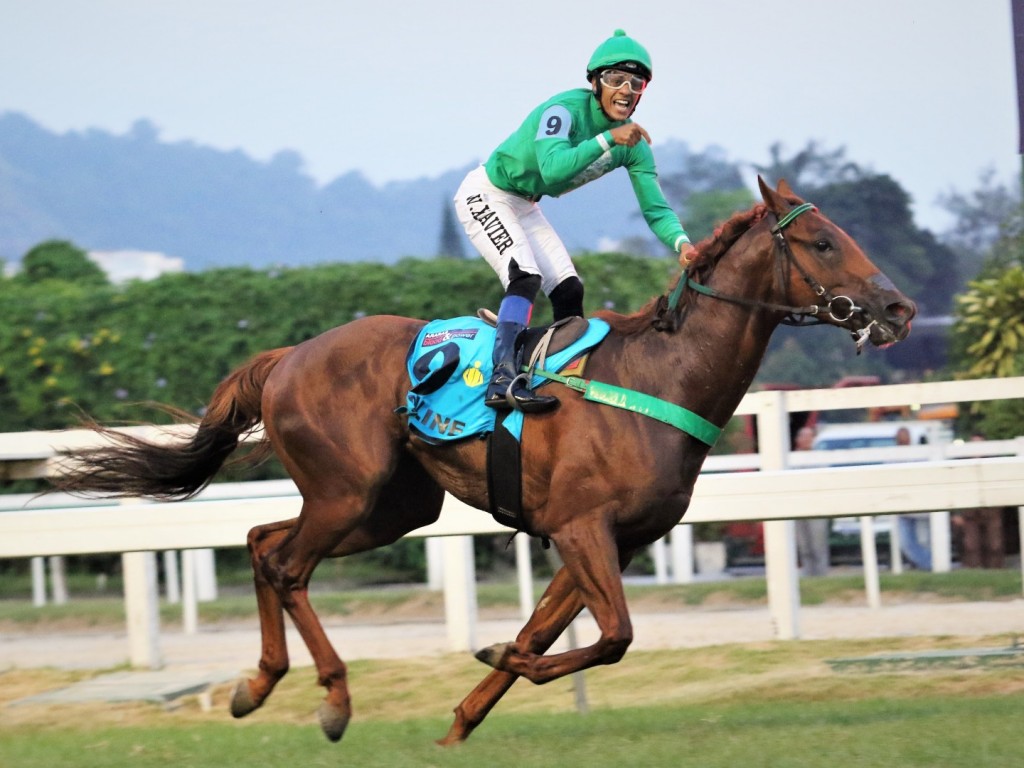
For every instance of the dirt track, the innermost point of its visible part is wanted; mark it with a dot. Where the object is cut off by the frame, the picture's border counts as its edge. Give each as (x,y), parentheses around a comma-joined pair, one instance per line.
(236,647)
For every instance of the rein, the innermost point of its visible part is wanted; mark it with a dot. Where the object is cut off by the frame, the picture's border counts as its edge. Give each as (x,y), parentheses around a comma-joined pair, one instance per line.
(794,315)
(681,418)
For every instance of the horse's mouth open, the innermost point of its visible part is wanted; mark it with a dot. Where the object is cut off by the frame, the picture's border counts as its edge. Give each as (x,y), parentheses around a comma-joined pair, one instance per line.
(895,326)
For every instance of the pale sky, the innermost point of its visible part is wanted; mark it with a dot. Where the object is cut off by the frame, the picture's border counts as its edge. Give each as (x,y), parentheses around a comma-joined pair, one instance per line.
(923,90)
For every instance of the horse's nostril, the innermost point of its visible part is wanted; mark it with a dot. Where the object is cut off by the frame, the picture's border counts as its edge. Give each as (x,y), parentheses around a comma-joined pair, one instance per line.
(901,311)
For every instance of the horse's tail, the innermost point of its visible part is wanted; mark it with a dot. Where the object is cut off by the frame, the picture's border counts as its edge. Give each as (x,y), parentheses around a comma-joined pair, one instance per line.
(132,466)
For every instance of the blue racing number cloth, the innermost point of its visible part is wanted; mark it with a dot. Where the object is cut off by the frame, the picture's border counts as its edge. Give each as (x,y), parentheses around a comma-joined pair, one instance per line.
(449,366)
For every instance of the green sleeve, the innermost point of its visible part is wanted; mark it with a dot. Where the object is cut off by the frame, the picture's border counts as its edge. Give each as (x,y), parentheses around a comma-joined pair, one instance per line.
(560,162)
(660,217)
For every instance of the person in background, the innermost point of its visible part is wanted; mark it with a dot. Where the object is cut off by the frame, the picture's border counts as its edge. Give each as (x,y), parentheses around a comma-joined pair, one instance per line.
(572,138)
(915,540)
(982,530)
(811,533)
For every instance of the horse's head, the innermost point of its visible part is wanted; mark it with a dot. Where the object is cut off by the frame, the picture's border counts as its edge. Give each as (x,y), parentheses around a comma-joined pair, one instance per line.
(823,267)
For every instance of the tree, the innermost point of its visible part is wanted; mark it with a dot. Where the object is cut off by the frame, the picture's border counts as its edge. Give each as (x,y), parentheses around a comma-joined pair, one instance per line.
(706,210)
(988,335)
(983,218)
(708,171)
(875,211)
(61,260)
(450,243)
(990,321)
(706,191)
(811,166)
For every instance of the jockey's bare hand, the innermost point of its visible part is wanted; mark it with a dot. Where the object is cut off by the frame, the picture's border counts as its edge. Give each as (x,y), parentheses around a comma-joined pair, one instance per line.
(630,134)
(687,253)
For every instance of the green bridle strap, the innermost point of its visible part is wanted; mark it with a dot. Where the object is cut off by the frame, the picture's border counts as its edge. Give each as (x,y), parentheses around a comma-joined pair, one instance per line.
(684,278)
(637,402)
(788,218)
(677,292)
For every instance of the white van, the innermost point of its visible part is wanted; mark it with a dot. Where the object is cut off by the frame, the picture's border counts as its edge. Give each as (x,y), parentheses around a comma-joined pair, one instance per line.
(834,437)
(845,531)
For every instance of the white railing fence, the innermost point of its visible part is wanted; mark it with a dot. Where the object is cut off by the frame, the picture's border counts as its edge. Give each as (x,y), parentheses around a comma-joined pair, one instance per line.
(787,486)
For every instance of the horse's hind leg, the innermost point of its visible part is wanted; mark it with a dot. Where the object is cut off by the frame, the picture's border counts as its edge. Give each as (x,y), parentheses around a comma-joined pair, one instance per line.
(334,528)
(287,570)
(250,694)
(558,606)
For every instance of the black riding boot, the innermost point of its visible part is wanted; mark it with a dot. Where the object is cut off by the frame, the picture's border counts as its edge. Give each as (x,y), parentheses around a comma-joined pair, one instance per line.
(507,389)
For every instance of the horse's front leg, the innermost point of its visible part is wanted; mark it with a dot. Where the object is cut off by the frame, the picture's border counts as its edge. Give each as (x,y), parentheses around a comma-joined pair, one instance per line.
(591,558)
(558,606)
(250,694)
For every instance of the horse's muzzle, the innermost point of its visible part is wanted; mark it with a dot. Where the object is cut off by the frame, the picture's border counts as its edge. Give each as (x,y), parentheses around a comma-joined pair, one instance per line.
(889,312)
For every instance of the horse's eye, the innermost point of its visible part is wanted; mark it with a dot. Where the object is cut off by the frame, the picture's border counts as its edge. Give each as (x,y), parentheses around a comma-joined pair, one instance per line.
(823,246)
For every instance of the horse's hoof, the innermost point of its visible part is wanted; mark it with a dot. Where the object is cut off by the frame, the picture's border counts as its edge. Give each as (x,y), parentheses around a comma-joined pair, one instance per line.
(242,702)
(493,654)
(333,721)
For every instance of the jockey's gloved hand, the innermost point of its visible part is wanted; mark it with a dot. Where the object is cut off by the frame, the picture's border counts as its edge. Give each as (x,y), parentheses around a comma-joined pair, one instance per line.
(686,254)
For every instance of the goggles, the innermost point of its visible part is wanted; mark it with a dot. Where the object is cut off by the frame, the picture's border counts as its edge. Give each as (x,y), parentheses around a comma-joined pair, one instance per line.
(615,79)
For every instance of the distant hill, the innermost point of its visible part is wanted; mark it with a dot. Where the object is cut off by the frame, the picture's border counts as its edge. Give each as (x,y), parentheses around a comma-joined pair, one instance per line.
(214,208)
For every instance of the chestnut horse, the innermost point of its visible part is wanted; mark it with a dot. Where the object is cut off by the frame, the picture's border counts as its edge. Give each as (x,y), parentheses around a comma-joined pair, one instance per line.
(599,482)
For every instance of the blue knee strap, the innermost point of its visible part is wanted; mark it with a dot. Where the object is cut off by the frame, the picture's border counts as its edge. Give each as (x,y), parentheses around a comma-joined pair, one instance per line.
(515,309)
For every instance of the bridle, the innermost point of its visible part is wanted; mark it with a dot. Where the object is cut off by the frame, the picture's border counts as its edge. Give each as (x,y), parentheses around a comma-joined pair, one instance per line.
(839,308)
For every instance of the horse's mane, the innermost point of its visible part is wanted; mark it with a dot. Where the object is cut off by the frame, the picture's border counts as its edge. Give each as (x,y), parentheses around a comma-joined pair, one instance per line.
(709,251)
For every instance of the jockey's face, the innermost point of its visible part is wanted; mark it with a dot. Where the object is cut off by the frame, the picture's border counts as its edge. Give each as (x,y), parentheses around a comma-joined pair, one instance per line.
(617,103)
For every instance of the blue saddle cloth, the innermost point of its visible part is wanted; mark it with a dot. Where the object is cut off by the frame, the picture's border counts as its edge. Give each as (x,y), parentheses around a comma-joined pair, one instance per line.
(449,366)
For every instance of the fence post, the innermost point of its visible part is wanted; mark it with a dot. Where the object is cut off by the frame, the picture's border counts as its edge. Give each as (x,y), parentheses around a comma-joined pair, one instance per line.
(206,575)
(141,607)
(938,527)
(434,548)
(895,546)
(38,581)
(660,555)
(58,582)
(779,535)
(524,571)
(869,556)
(172,582)
(460,608)
(682,554)
(189,598)
(941,542)
(1019,444)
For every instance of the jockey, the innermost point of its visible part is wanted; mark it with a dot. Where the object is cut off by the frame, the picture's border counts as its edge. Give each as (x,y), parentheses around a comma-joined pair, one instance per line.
(572,138)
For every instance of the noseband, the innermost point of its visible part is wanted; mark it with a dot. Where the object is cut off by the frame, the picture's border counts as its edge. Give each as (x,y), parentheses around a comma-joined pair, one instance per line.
(840,308)
(785,259)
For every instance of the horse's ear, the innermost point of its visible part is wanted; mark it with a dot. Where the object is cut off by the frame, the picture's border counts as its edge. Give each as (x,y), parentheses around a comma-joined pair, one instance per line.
(775,201)
(785,190)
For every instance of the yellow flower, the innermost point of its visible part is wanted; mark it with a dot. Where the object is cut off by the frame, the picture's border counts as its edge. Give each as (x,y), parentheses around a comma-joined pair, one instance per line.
(105,368)
(50,382)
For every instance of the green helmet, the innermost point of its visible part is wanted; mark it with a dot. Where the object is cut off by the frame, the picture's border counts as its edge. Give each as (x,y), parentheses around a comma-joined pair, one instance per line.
(622,52)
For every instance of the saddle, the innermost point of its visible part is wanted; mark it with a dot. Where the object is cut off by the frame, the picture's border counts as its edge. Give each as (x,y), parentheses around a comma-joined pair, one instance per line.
(537,343)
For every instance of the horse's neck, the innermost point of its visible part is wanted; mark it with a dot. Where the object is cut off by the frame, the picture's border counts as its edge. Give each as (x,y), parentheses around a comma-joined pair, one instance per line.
(725,341)
(708,364)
